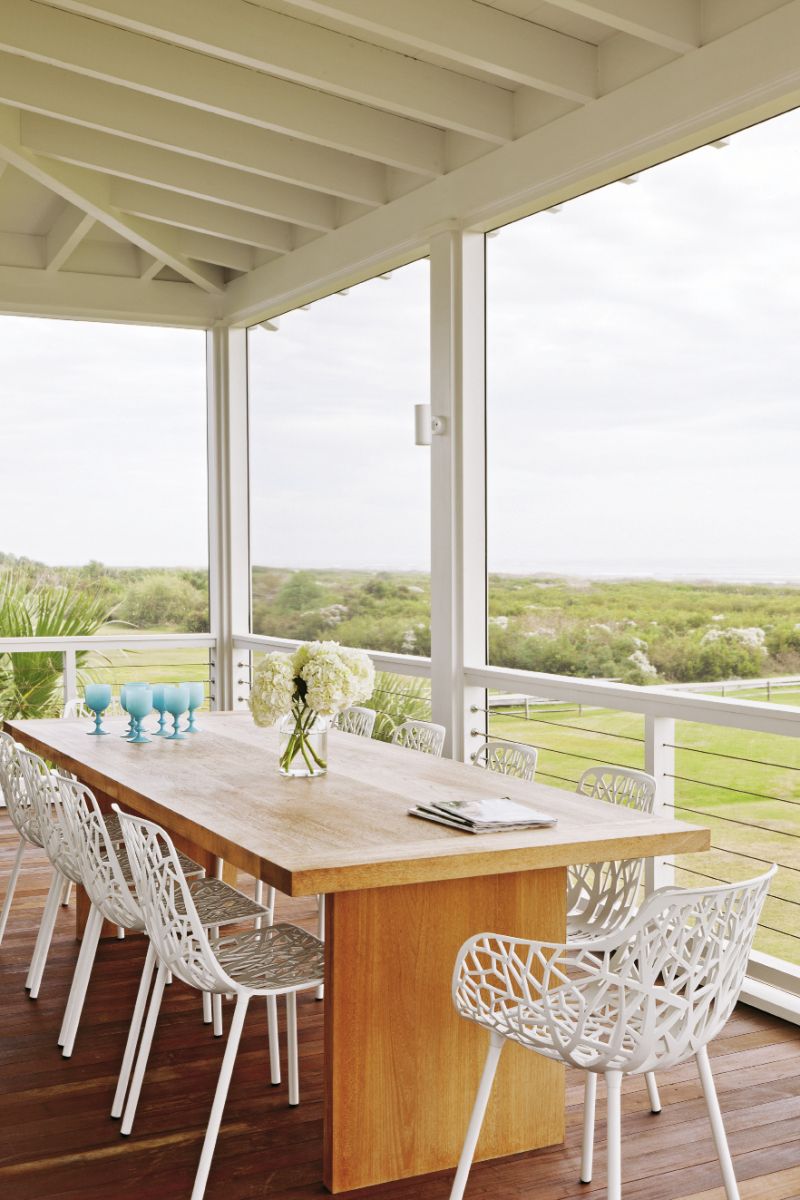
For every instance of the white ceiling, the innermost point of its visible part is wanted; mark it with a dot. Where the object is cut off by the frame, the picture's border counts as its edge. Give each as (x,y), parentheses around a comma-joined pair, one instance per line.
(193,141)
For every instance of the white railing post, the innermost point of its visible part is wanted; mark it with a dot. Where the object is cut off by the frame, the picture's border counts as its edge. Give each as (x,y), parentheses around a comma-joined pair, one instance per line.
(70,676)
(458,483)
(659,760)
(228,508)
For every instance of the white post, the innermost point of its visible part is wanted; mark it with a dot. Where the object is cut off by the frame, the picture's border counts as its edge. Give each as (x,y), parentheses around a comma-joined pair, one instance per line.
(659,760)
(458,484)
(70,676)
(228,510)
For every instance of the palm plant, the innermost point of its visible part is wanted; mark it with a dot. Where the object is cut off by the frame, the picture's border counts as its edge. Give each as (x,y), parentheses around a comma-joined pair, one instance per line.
(398,698)
(29,680)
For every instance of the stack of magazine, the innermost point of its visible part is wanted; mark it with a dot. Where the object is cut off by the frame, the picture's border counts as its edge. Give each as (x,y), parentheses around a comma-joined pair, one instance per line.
(497,815)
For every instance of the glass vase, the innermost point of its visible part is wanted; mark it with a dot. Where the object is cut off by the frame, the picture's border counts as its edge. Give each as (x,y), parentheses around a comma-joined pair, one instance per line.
(303,748)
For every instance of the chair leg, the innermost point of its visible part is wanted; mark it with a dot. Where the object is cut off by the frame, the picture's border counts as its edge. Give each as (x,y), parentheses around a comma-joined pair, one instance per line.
(216,1009)
(496,1043)
(42,947)
(207,1014)
(717,1127)
(589,1105)
(321,934)
(134,1031)
(144,1051)
(65,899)
(80,981)
(12,886)
(220,1096)
(271,905)
(614,1134)
(291,1048)
(652,1092)
(274,1041)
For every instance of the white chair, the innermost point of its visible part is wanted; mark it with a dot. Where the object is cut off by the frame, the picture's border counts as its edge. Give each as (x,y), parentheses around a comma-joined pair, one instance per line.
(601,897)
(105,873)
(23,818)
(507,758)
(648,997)
(272,961)
(357,720)
(425,736)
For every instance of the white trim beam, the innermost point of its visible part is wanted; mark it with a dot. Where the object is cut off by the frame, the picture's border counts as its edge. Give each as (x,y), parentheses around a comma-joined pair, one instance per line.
(474,35)
(65,235)
(129,60)
(220,251)
(149,266)
(201,216)
(91,193)
(175,172)
(746,76)
(39,88)
(82,297)
(314,57)
(673,24)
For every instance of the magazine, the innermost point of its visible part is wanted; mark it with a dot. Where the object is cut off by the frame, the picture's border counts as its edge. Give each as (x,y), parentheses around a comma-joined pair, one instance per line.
(496,815)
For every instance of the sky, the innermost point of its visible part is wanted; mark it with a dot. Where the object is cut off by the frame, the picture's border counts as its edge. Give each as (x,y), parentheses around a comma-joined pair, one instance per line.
(643,373)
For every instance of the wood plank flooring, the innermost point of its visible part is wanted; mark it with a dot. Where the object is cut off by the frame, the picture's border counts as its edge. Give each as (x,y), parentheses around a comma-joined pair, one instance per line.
(57,1141)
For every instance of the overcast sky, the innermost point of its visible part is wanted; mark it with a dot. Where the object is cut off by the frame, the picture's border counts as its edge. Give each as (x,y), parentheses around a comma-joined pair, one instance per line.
(644,367)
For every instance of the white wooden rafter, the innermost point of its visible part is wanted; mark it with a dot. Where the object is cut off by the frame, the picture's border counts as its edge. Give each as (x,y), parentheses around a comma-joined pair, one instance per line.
(176,172)
(307,54)
(154,68)
(673,24)
(92,194)
(39,88)
(65,235)
(477,36)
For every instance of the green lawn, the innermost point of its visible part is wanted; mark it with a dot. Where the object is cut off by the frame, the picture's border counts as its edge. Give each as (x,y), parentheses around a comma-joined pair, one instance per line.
(155,666)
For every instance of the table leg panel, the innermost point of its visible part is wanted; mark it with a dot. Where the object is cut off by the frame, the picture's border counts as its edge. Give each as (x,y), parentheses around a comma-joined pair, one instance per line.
(401,1066)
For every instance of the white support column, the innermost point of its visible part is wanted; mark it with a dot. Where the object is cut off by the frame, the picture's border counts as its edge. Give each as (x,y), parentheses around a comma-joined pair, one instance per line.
(659,760)
(458,483)
(228,508)
(70,677)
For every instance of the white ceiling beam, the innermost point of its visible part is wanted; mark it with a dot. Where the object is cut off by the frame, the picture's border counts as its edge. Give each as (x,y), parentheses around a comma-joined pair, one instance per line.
(116,56)
(149,266)
(175,172)
(746,76)
(104,298)
(91,193)
(474,35)
(65,235)
(135,116)
(673,24)
(202,216)
(217,250)
(315,57)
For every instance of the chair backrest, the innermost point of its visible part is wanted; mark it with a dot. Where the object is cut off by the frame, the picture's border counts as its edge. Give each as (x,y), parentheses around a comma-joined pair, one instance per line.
(15,791)
(168,910)
(102,873)
(619,785)
(602,895)
(360,721)
(57,837)
(648,997)
(507,758)
(425,736)
(74,709)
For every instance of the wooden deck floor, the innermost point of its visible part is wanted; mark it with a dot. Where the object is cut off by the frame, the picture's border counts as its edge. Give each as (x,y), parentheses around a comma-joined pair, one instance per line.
(57,1141)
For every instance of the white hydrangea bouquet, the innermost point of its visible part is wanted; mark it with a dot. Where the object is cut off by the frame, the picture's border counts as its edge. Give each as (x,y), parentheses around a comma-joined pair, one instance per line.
(303,691)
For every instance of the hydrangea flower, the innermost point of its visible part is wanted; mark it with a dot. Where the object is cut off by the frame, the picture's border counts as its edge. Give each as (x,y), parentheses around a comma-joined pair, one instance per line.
(272,689)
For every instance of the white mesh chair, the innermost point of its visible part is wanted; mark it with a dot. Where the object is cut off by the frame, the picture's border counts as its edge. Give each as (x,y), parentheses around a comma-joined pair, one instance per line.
(23,818)
(275,960)
(105,874)
(601,897)
(507,758)
(357,720)
(425,736)
(650,996)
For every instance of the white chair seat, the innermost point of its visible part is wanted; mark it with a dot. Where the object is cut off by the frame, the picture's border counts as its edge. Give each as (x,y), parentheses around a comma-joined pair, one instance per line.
(276,957)
(218,903)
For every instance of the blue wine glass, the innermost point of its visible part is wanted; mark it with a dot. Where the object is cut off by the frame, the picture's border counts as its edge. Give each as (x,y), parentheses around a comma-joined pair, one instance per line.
(197,694)
(123,703)
(160,708)
(140,705)
(97,697)
(176,702)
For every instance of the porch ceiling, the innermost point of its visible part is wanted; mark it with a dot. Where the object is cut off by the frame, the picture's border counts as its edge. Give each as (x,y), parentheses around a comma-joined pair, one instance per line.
(187,162)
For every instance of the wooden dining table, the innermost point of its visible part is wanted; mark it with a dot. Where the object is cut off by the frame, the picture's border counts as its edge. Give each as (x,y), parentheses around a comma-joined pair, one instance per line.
(401,1068)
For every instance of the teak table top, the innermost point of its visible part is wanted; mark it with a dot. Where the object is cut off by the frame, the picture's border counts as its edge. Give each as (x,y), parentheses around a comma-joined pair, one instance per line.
(348,830)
